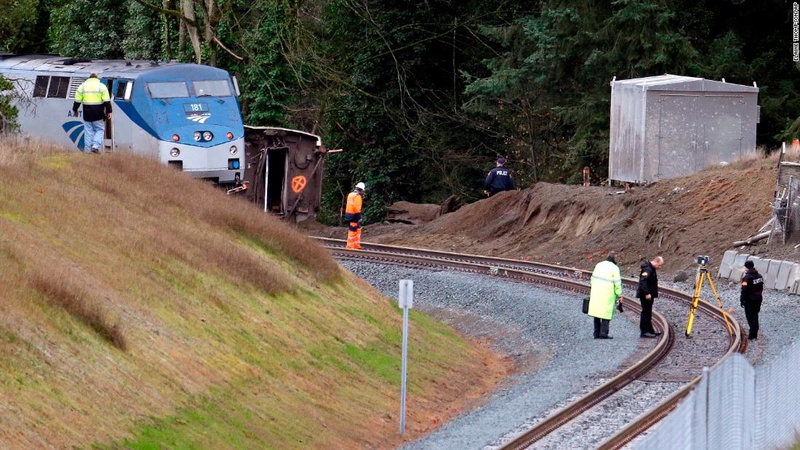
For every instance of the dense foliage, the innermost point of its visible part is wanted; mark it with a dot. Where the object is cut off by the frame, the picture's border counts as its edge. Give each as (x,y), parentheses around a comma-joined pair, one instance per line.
(423,95)
(8,112)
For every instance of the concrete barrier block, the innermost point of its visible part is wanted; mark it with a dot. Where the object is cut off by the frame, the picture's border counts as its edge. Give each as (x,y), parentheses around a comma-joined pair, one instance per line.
(761,264)
(782,275)
(737,268)
(794,277)
(737,272)
(740,259)
(770,272)
(726,265)
(772,278)
(795,288)
(785,272)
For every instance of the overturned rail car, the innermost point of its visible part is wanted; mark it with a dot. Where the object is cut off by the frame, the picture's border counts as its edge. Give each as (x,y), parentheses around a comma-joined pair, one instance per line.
(283,170)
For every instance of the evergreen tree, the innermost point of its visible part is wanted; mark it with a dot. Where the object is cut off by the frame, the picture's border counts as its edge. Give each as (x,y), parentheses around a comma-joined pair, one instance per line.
(89,28)
(394,95)
(423,95)
(549,89)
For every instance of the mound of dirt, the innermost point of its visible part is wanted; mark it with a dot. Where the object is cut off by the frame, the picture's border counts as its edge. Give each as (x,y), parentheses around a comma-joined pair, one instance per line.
(702,214)
(412,213)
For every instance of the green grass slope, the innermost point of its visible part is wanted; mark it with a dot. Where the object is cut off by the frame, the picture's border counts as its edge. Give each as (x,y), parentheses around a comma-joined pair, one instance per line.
(142,309)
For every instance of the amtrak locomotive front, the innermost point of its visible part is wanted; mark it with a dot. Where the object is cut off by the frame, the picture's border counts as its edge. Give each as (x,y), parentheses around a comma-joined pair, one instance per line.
(184,115)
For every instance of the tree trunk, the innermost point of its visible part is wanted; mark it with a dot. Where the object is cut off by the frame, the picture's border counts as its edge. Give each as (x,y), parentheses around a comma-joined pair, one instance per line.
(212,18)
(187,6)
(166,4)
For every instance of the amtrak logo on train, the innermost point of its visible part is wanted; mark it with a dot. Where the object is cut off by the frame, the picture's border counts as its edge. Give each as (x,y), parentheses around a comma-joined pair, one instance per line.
(74,130)
(199,118)
(197,111)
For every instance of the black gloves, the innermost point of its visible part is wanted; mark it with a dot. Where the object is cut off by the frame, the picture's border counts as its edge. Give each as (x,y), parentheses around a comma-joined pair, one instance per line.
(619,306)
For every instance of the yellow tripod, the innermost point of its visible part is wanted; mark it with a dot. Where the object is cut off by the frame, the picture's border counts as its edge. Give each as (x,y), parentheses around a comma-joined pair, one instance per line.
(702,274)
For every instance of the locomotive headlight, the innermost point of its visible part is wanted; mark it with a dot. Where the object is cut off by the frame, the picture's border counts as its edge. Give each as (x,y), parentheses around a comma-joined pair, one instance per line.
(197,136)
(207,136)
(233,150)
(174,152)
(229,135)
(176,138)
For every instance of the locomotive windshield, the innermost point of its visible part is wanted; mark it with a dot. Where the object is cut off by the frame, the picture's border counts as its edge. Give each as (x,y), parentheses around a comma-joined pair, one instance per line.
(169,89)
(211,88)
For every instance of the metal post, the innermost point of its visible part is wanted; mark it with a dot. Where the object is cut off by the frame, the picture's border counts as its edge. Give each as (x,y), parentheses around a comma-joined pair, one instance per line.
(788,209)
(406,301)
(266,176)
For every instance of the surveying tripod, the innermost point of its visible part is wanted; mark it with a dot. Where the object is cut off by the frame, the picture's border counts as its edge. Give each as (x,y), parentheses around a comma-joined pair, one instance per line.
(702,274)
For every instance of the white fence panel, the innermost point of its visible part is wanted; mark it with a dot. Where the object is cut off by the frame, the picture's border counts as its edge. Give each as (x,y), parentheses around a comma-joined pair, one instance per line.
(730,405)
(734,407)
(777,396)
(674,431)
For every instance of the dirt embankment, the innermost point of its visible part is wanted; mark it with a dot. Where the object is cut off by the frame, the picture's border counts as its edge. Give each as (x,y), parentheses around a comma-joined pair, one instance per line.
(702,214)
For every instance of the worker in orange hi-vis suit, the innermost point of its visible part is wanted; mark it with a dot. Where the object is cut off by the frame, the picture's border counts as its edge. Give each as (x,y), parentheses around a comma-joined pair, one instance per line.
(352,215)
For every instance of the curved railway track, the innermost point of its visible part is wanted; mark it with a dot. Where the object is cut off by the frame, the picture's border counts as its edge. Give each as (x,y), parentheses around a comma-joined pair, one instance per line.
(705,334)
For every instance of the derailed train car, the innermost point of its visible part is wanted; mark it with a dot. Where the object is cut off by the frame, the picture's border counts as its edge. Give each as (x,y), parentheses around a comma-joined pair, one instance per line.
(283,171)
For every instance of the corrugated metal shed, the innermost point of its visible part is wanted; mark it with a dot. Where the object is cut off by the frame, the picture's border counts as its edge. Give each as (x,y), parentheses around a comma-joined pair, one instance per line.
(669,126)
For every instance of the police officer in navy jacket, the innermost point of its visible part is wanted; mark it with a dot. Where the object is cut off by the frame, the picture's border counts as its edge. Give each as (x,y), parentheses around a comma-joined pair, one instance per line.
(752,287)
(647,292)
(498,179)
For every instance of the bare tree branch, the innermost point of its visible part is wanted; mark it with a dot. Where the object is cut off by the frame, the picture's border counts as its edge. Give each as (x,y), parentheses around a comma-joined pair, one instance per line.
(215,39)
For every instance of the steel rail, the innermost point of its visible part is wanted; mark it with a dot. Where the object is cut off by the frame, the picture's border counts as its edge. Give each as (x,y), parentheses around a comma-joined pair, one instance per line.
(570,279)
(463,265)
(602,392)
(648,419)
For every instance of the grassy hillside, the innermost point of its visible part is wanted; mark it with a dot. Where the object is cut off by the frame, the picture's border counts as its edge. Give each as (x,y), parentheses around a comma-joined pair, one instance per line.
(142,309)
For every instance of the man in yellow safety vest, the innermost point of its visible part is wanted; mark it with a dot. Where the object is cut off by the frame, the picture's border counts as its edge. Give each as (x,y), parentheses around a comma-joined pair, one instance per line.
(96,109)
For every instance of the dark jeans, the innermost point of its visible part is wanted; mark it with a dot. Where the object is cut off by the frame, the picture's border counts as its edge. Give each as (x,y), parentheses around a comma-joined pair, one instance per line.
(751,310)
(600,327)
(646,319)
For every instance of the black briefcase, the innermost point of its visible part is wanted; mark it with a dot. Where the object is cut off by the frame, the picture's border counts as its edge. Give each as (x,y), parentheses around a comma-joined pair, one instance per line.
(585,307)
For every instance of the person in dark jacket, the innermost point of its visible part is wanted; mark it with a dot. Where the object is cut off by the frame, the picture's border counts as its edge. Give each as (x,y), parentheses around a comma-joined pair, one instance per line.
(752,288)
(647,292)
(499,179)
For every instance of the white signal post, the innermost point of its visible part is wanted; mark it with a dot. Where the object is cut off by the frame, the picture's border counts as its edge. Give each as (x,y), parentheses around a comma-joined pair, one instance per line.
(405,301)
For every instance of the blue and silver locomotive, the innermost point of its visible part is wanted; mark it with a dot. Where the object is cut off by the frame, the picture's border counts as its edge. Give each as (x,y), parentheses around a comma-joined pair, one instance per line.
(184,115)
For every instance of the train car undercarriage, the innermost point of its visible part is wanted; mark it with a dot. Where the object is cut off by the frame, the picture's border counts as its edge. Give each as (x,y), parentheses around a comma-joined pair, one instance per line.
(283,171)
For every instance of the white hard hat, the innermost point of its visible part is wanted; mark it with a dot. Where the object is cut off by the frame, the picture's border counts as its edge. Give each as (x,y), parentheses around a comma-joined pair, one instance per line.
(361,186)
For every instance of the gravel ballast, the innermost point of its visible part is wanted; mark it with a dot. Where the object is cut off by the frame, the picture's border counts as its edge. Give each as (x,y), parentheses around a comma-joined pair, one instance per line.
(551,342)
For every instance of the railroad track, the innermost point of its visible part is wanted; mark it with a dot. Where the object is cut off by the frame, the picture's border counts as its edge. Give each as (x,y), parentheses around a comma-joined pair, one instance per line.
(706,334)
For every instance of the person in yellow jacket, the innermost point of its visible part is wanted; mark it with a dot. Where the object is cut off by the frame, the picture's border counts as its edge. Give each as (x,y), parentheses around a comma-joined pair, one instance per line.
(352,215)
(606,290)
(96,109)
